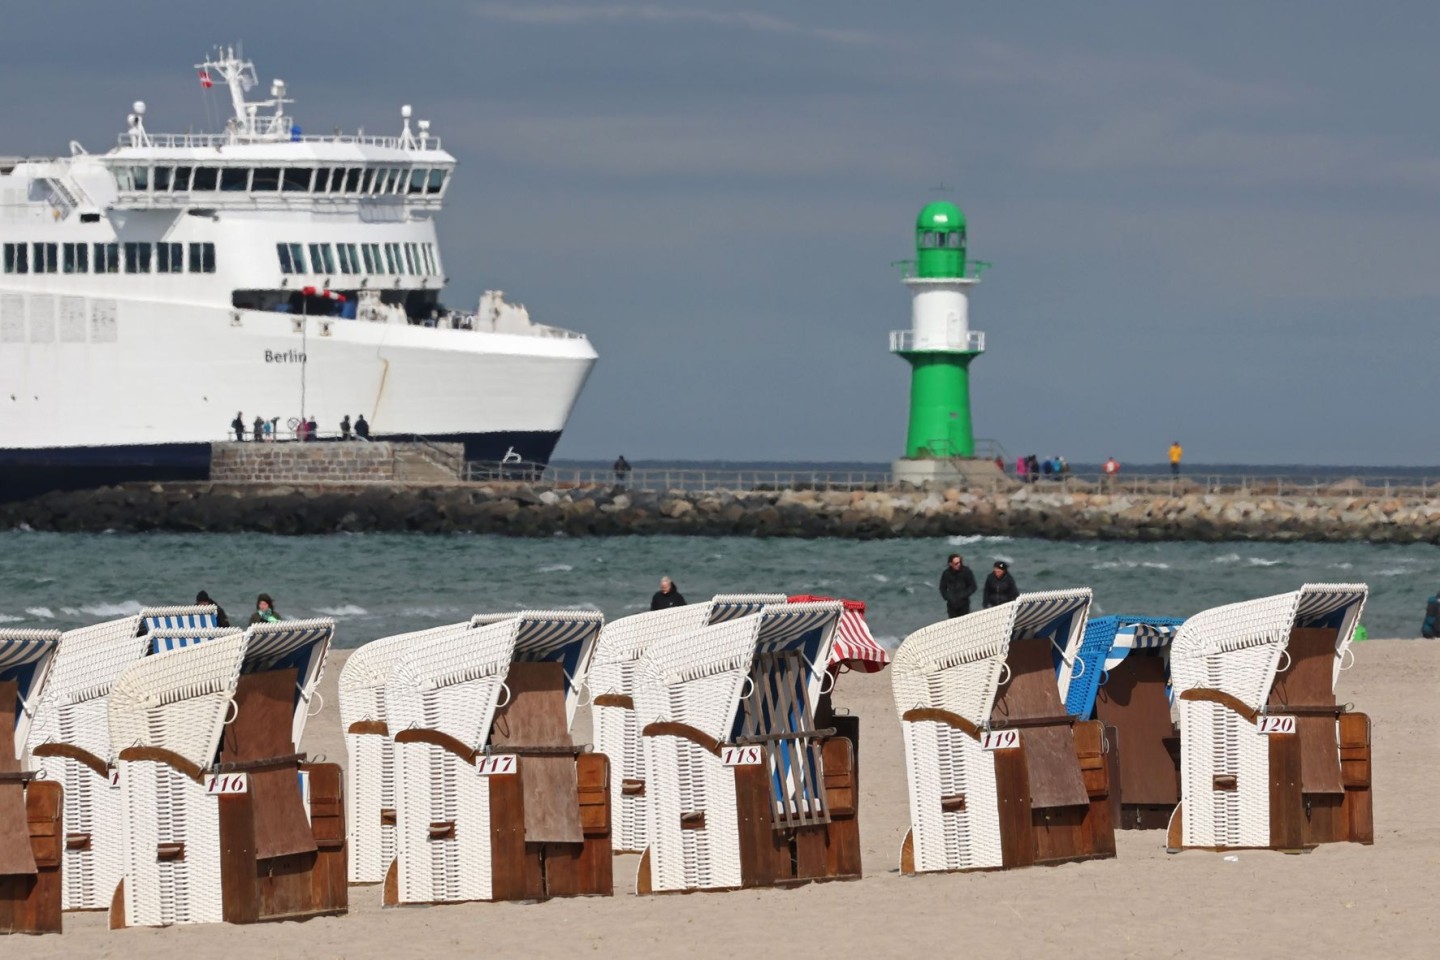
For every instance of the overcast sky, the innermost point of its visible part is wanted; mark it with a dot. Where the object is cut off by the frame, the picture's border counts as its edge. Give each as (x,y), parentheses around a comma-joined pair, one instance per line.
(1213,222)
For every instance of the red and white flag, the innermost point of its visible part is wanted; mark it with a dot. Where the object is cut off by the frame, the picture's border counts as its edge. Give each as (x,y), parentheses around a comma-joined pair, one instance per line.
(205,80)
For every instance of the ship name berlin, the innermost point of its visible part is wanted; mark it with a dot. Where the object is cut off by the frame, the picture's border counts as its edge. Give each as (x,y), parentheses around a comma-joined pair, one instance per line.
(284,356)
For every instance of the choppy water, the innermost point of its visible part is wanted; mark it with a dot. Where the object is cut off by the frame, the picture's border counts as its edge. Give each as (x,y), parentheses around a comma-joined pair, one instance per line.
(379,584)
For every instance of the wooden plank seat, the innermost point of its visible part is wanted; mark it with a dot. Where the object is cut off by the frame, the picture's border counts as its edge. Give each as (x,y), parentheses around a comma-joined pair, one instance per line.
(1121,678)
(493,799)
(70,741)
(31,809)
(225,819)
(1268,757)
(1000,775)
(745,789)
(612,683)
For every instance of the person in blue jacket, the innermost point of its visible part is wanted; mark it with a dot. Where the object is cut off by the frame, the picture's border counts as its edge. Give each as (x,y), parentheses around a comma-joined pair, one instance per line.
(1430,628)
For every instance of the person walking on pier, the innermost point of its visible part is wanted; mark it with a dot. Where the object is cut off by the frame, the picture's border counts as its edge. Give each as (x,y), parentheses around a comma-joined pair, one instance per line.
(667,596)
(238,425)
(1000,587)
(957,584)
(1176,452)
(622,470)
(345,427)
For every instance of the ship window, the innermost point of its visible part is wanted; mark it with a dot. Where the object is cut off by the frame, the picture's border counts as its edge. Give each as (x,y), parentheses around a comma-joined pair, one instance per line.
(435,260)
(205,178)
(297,179)
(107,257)
(202,258)
(162,178)
(427,260)
(234,179)
(297,257)
(437,181)
(42,258)
(286,265)
(137,257)
(417,180)
(140,176)
(17,258)
(393,179)
(371,254)
(266,180)
(181,182)
(349,258)
(122,178)
(320,254)
(409,258)
(169,258)
(392,257)
(352,179)
(954,240)
(76,258)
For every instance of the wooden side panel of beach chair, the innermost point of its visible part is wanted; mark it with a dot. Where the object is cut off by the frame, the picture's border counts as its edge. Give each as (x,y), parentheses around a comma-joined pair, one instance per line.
(1312,811)
(31,832)
(533,723)
(1134,702)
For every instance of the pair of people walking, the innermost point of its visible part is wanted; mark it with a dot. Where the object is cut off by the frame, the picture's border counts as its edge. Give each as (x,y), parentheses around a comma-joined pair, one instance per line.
(957,585)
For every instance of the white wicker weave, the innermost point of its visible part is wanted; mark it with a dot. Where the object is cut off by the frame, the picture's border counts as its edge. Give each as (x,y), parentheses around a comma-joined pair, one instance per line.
(1236,649)
(617,734)
(370,775)
(698,679)
(957,665)
(452,687)
(177,701)
(73,711)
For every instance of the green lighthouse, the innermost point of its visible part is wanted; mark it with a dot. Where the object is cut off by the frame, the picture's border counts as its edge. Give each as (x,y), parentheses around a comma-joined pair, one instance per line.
(939,344)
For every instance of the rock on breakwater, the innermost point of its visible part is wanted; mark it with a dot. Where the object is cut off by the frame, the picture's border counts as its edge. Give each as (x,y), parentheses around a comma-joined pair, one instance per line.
(534,511)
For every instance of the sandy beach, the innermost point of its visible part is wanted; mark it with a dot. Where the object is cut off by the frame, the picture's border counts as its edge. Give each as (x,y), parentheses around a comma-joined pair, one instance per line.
(1341,900)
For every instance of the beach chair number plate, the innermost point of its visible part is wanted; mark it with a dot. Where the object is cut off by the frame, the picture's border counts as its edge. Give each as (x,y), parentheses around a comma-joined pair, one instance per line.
(741,756)
(499,763)
(227,784)
(999,739)
(1269,725)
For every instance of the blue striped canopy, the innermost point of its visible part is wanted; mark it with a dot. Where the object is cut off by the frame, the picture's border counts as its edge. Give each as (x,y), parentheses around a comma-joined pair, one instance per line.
(555,635)
(1326,606)
(733,606)
(1107,641)
(177,618)
(25,657)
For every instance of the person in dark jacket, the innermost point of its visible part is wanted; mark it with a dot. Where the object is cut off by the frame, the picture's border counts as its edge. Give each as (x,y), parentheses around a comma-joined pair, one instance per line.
(1430,628)
(238,425)
(1000,586)
(957,584)
(667,596)
(362,427)
(220,619)
(264,610)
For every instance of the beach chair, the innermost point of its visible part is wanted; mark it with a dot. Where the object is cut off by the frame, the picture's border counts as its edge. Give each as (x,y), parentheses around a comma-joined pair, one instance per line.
(370,774)
(999,774)
(224,819)
(1268,759)
(70,741)
(1122,678)
(612,689)
(745,790)
(493,799)
(31,809)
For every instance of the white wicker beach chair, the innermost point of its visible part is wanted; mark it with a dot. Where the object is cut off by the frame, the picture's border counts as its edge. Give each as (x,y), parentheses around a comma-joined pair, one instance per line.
(612,688)
(1267,758)
(370,775)
(31,809)
(70,740)
(492,802)
(740,781)
(993,759)
(216,823)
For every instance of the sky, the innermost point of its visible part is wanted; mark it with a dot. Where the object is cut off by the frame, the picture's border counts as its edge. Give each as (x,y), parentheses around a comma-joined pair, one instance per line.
(1214,222)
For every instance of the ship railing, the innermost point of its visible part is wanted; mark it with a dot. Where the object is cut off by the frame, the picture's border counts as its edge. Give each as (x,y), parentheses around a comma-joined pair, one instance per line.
(206,140)
(903,341)
(456,320)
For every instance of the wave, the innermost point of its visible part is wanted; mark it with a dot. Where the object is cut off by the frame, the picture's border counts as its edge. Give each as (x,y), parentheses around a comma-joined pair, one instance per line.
(7,618)
(888,642)
(44,613)
(960,540)
(126,608)
(1392,572)
(1227,558)
(554,568)
(344,610)
(1262,562)
(1154,565)
(879,578)
(433,613)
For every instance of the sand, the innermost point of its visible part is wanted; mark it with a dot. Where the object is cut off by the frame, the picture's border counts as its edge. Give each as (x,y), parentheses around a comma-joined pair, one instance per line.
(1341,900)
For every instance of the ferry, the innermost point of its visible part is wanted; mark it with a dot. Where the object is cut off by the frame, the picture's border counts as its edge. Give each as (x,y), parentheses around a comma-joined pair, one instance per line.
(152,292)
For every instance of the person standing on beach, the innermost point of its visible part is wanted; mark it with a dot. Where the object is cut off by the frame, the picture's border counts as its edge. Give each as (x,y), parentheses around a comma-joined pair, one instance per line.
(667,596)
(203,598)
(1176,452)
(1430,627)
(264,610)
(1000,587)
(957,584)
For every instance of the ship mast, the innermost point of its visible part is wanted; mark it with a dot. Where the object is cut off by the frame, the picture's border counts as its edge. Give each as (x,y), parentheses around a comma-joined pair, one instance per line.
(239,76)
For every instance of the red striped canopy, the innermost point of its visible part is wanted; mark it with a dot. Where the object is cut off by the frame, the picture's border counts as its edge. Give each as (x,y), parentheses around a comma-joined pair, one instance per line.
(854,646)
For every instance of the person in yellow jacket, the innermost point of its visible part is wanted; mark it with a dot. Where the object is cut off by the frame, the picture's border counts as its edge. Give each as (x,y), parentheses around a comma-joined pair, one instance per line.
(1176,452)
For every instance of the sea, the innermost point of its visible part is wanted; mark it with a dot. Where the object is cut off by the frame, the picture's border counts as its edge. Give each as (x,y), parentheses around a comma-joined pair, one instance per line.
(376,585)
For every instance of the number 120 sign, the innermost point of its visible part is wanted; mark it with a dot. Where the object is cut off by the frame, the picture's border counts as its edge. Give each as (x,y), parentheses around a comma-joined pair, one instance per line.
(1282,724)
(999,739)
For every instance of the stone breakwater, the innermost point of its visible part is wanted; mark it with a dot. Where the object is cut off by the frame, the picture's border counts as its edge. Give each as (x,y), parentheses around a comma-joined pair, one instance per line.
(535,511)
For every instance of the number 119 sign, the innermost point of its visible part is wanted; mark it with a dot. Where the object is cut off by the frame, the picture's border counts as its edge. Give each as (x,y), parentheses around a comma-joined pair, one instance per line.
(999,739)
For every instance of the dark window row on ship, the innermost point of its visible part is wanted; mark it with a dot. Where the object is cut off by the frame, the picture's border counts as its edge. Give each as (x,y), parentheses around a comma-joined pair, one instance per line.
(338,181)
(109,257)
(416,259)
